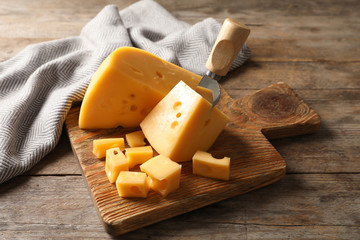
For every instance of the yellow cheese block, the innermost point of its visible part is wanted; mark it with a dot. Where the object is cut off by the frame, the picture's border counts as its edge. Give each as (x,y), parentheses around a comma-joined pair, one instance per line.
(182,123)
(101,145)
(135,139)
(206,165)
(205,93)
(138,155)
(132,184)
(164,174)
(115,163)
(126,86)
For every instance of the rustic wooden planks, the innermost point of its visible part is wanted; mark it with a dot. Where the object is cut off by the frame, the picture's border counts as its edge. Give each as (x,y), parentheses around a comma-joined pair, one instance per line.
(310,45)
(273,112)
(306,206)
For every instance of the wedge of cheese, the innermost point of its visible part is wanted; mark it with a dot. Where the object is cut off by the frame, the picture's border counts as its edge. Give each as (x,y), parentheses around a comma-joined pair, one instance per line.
(164,174)
(182,123)
(205,93)
(126,86)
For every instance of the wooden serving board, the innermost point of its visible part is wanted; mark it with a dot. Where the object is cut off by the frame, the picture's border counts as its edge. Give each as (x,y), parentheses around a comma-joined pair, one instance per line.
(272,112)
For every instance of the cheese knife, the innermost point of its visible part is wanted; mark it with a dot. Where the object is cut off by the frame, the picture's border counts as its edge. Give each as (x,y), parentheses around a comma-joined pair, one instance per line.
(228,44)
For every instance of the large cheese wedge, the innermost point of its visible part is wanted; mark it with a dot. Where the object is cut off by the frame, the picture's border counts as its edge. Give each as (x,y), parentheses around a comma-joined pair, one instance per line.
(182,123)
(126,86)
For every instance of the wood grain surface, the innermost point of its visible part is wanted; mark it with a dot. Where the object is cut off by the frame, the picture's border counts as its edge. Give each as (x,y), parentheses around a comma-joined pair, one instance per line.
(312,46)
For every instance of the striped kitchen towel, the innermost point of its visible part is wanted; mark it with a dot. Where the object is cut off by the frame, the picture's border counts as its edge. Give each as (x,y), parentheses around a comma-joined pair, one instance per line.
(39,84)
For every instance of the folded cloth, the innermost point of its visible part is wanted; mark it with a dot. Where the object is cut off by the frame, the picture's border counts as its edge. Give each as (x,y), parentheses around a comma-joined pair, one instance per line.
(39,84)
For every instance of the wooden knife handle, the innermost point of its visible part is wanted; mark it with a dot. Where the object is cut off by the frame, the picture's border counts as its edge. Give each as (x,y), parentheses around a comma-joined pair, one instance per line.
(228,44)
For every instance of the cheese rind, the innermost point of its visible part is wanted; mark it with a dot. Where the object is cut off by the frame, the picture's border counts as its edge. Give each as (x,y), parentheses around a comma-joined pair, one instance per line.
(138,155)
(115,163)
(204,164)
(126,86)
(132,184)
(135,139)
(164,174)
(101,145)
(182,123)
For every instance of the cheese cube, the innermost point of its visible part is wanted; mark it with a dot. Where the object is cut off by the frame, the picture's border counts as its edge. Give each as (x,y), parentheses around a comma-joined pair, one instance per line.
(115,163)
(164,174)
(182,123)
(138,155)
(206,165)
(101,145)
(135,139)
(132,184)
(126,86)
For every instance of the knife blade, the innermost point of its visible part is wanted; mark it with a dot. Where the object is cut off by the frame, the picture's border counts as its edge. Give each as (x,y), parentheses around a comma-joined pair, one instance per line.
(227,46)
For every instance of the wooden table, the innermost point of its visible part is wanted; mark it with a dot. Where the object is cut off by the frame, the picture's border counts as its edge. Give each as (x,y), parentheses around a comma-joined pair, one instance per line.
(313,47)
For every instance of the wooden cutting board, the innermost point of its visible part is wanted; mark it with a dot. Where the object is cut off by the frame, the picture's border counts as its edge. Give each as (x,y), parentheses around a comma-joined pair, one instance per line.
(272,112)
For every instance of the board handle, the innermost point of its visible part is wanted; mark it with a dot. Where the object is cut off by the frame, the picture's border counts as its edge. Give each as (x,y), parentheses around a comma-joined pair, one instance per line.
(276,111)
(228,44)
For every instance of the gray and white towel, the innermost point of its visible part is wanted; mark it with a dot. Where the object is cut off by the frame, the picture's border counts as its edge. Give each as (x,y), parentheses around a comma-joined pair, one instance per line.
(39,84)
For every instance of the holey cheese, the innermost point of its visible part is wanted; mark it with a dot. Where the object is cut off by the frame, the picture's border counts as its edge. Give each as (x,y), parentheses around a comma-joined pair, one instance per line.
(164,174)
(182,123)
(132,184)
(101,145)
(204,164)
(126,86)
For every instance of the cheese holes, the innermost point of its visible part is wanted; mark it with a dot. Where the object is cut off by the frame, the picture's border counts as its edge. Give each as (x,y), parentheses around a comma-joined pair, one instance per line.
(177,106)
(159,74)
(174,124)
(133,108)
(116,152)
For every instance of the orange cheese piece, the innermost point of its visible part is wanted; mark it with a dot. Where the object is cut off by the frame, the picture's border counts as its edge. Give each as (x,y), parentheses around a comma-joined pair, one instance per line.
(126,86)
(135,139)
(182,123)
(132,184)
(204,164)
(205,93)
(115,163)
(138,155)
(101,145)
(164,174)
